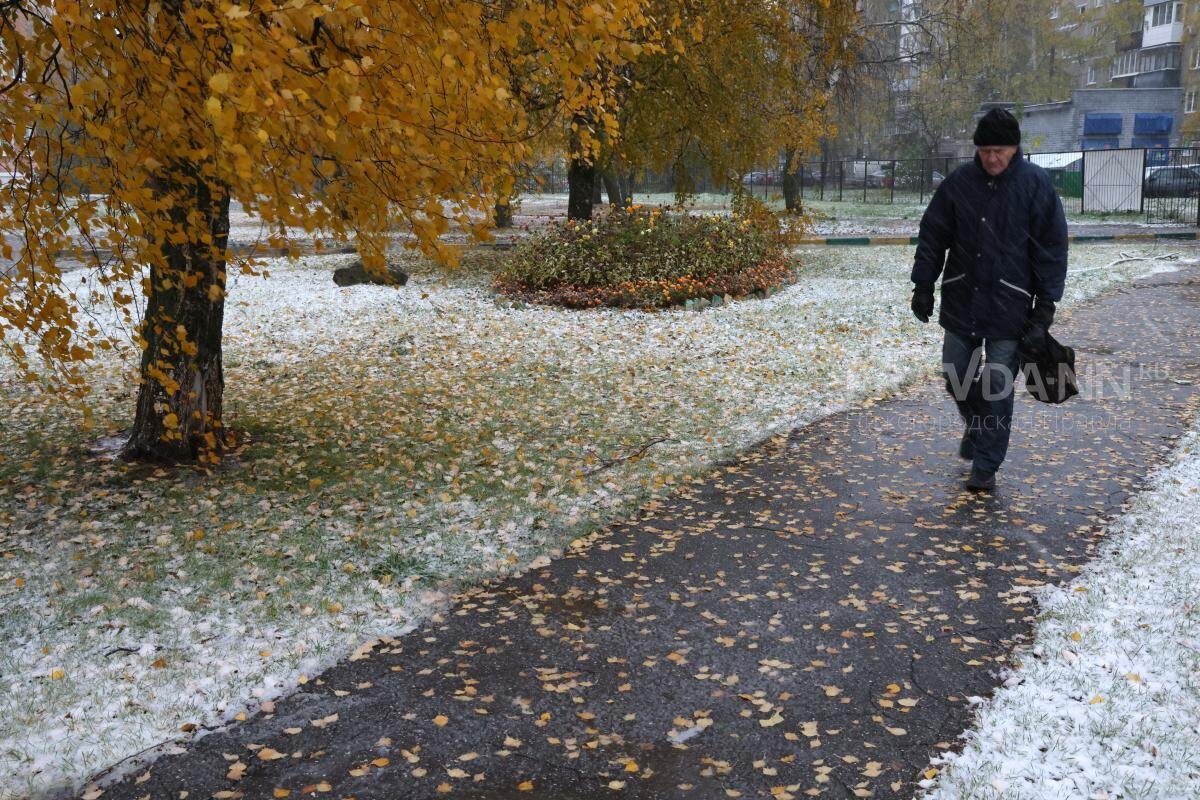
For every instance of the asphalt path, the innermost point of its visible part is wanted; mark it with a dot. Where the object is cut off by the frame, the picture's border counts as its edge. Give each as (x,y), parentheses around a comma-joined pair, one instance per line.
(812,618)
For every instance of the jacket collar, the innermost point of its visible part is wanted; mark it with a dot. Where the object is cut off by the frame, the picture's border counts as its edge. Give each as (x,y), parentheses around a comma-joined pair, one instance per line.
(1009,171)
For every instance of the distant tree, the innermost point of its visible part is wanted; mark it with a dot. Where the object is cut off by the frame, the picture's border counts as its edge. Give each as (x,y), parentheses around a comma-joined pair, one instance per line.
(732,86)
(923,76)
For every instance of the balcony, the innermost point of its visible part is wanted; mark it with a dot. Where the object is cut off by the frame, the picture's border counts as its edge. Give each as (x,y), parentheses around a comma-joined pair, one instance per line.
(1163,34)
(1157,79)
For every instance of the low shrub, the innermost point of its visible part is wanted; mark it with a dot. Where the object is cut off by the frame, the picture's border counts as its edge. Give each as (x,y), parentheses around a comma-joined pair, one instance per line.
(640,257)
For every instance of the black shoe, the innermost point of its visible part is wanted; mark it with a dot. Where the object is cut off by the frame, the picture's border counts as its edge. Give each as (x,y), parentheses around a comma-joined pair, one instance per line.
(981,480)
(966,448)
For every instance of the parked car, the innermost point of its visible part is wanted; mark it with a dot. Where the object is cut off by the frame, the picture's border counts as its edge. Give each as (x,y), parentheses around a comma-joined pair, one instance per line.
(759,179)
(914,182)
(880,178)
(1175,181)
(809,177)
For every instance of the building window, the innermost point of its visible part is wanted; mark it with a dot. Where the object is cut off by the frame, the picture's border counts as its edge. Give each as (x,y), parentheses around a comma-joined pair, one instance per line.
(1091,76)
(1165,14)
(1125,64)
(1158,60)
(1189,104)
(1196,60)
(1054,12)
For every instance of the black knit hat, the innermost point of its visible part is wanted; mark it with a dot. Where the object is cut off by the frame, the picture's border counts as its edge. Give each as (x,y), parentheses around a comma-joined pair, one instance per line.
(997,128)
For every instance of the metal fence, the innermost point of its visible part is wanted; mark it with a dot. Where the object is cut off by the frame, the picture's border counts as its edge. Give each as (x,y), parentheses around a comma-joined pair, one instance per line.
(1157,185)
(1154,185)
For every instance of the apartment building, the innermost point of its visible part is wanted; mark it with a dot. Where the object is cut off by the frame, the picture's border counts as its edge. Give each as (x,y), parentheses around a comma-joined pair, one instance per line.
(1138,90)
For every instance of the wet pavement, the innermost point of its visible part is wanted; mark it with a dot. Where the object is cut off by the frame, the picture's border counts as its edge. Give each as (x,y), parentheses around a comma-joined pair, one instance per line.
(811,619)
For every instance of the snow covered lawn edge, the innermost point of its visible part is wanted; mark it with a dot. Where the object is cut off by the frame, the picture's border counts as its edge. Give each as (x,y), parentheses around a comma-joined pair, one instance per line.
(402,441)
(1107,703)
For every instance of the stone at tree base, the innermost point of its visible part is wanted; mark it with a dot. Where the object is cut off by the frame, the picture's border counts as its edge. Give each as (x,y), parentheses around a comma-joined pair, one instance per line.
(356,274)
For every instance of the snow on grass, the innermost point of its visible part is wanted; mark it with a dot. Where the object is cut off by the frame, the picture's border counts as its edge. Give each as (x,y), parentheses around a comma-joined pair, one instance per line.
(399,441)
(1106,704)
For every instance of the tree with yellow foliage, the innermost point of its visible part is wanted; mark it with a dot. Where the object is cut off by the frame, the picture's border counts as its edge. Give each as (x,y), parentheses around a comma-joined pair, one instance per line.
(730,86)
(343,119)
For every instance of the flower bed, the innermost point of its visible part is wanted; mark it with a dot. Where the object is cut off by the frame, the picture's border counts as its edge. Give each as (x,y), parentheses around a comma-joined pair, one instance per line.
(649,258)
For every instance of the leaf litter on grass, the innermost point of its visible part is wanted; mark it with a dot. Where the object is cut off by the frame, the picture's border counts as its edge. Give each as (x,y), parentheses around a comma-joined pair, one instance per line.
(139,601)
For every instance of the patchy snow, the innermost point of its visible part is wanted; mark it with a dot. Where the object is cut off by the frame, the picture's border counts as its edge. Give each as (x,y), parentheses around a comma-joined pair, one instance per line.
(400,440)
(1106,704)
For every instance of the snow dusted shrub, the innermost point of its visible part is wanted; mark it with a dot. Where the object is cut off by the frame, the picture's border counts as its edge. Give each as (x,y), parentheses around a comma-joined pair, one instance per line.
(639,257)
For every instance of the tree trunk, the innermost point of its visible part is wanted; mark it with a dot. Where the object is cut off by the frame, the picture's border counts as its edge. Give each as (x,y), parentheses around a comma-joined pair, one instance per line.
(581,180)
(791,182)
(504,213)
(612,188)
(597,188)
(825,166)
(178,416)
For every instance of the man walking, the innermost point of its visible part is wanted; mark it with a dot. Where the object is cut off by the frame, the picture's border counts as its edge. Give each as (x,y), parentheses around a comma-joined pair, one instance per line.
(1003,225)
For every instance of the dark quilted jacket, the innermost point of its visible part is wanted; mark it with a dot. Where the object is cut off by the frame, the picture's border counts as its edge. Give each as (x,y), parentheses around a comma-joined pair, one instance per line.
(1007,243)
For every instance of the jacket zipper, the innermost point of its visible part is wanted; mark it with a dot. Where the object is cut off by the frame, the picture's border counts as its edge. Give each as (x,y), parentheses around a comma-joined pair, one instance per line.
(952,280)
(1014,286)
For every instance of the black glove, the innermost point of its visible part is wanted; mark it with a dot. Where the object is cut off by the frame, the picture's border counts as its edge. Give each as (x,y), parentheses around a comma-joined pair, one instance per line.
(1043,313)
(922,301)
(1033,340)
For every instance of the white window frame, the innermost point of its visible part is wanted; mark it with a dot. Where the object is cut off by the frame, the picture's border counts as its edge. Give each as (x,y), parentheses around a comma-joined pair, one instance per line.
(1189,103)
(1054,12)
(1091,76)
(1196,58)
(1165,13)
(1125,64)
